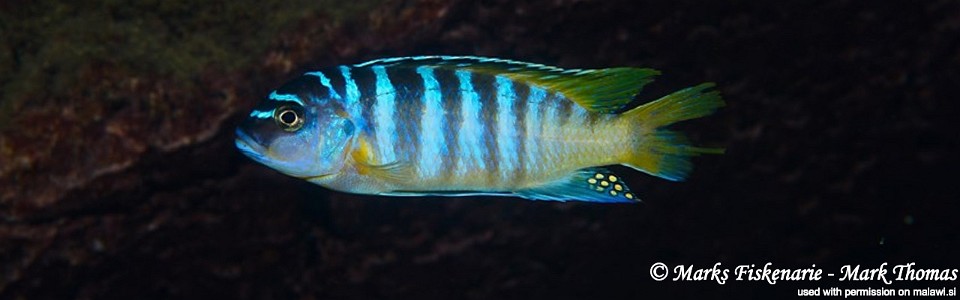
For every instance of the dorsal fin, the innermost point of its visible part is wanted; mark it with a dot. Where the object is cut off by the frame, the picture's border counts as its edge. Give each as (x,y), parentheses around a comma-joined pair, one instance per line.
(599,90)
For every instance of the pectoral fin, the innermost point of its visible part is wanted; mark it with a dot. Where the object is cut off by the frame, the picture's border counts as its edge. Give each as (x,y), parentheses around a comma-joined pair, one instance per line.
(366,164)
(591,185)
(393,172)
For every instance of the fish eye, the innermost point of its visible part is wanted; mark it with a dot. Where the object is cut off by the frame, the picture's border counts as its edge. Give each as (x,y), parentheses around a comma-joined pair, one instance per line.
(288,118)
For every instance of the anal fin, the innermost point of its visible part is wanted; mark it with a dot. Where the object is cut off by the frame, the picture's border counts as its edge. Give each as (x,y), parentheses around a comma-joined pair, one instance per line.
(590,184)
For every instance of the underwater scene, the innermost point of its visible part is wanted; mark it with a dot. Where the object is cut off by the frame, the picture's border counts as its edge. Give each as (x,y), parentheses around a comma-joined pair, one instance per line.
(490,149)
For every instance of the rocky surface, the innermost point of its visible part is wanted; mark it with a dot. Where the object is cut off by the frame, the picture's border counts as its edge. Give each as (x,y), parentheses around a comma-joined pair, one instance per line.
(118,177)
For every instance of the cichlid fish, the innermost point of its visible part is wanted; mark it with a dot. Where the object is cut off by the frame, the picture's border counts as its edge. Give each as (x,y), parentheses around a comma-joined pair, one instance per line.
(459,126)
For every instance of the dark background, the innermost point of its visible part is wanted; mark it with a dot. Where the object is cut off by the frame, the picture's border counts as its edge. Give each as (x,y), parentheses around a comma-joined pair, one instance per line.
(119,179)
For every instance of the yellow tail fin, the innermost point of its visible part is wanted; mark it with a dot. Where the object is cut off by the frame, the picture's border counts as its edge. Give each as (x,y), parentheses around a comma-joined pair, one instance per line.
(665,153)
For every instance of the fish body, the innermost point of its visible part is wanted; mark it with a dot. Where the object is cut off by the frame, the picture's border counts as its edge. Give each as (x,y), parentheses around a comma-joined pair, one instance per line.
(453,126)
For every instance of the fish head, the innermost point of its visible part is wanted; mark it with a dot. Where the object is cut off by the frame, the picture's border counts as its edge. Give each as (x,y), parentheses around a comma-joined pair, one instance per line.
(298,130)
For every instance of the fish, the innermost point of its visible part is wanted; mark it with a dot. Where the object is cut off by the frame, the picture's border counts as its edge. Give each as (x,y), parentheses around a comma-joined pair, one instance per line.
(474,126)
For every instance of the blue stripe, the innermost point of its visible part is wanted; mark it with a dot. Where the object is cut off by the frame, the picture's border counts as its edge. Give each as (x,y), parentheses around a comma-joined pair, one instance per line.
(432,146)
(285,97)
(352,102)
(506,131)
(325,82)
(275,97)
(384,110)
(470,140)
(533,125)
(261,114)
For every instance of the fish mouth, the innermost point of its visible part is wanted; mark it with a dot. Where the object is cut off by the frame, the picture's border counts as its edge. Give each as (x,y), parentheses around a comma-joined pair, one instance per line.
(248,146)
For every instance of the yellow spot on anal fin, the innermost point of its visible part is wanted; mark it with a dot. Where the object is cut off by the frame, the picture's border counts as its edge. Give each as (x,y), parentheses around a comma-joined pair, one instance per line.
(612,178)
(604,183)
(628,195)
(613,193)
(598,176)
(592,181)
(618,187)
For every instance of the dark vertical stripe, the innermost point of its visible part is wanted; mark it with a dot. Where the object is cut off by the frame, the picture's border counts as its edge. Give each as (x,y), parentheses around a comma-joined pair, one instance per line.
(550,111)
(487,90)
(367,86)
(452,104)
(337,81)
(329,92)
(592,119)
(409,87)
(566,109)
